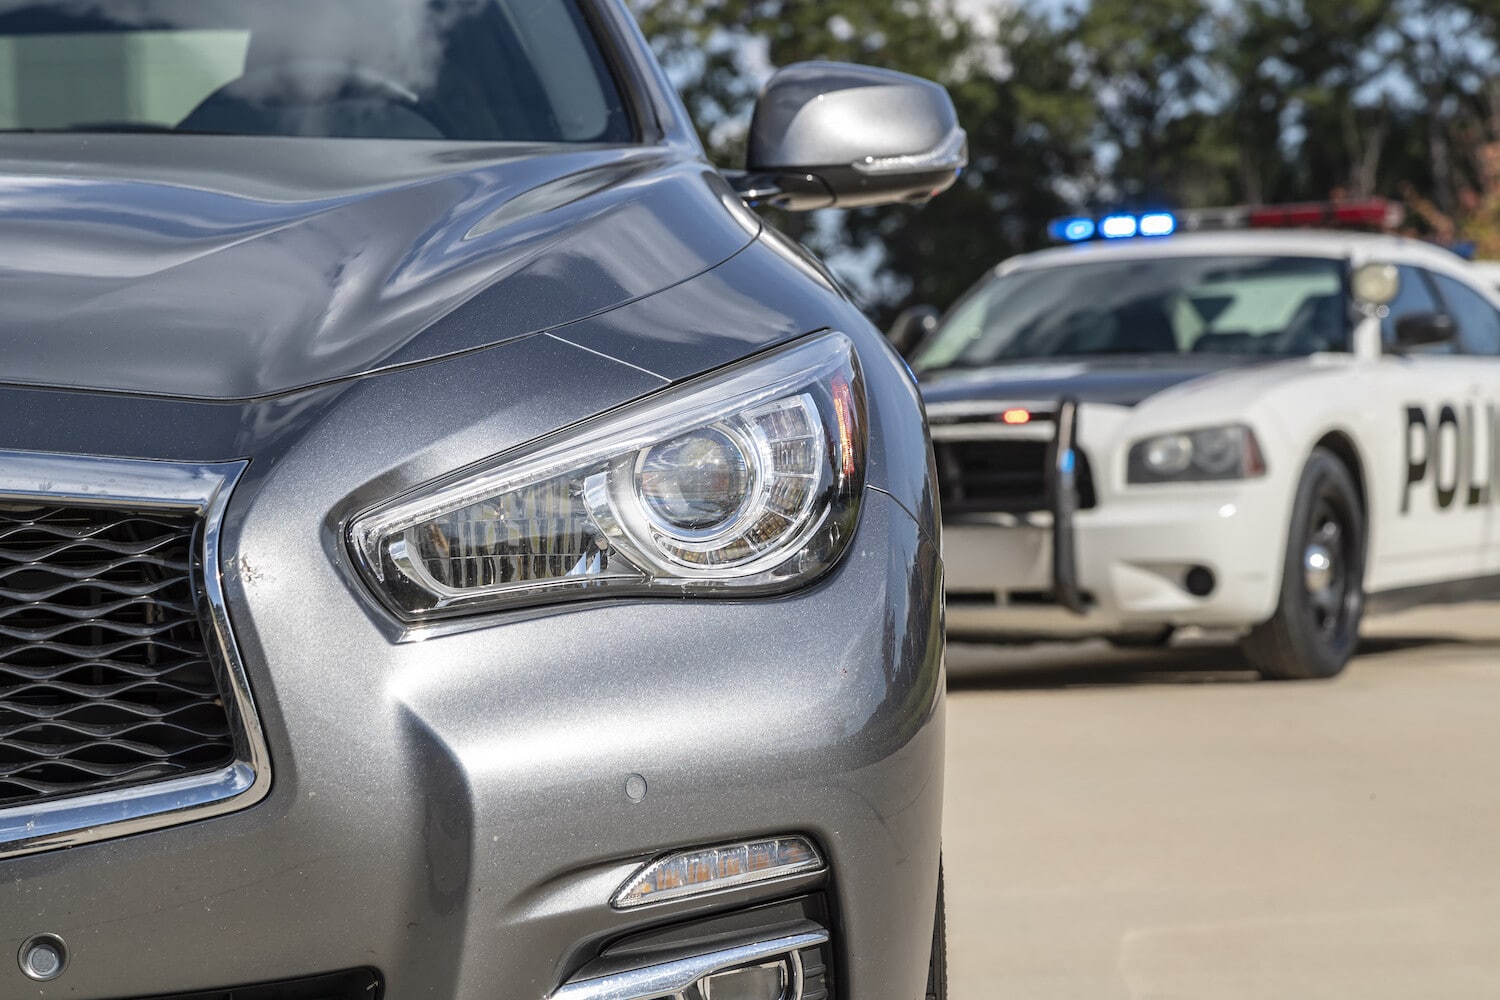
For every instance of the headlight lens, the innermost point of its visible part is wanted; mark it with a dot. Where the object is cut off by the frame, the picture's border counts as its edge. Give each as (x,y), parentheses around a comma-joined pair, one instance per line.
(1210,454)
(748,481)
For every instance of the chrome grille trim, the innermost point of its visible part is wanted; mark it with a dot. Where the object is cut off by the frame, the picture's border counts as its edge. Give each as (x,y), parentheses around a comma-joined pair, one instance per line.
(204,490)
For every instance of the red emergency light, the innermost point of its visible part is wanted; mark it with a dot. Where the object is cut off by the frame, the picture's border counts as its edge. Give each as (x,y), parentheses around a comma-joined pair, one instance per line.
(1371,213)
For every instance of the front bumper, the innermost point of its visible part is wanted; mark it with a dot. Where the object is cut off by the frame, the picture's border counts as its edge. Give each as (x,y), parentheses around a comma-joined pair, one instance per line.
(453,813)
(1132,555)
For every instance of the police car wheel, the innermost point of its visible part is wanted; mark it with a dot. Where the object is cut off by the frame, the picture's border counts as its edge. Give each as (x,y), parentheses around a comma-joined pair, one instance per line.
(937,966)
(1316,626)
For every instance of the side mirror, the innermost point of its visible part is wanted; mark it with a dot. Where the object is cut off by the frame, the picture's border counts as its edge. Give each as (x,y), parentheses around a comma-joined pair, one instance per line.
(829,135)
(1424,330)
(912,328)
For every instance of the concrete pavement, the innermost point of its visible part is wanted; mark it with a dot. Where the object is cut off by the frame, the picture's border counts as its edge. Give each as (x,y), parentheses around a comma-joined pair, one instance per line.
(1164,825)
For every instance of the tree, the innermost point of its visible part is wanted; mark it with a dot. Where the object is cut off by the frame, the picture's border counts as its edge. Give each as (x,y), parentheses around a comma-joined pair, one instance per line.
(1117,103)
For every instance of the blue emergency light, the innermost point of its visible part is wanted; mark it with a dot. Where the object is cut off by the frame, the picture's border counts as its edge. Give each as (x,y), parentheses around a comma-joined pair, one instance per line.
(1158,224)
(1121,226)
(1072,230)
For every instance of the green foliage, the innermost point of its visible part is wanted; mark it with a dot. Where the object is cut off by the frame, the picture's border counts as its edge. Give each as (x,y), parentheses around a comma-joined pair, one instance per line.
(1124,103)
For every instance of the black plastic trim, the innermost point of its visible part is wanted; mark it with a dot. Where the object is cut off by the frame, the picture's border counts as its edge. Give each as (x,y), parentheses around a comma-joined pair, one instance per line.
(1479,588)
(355,984)
(1064,506)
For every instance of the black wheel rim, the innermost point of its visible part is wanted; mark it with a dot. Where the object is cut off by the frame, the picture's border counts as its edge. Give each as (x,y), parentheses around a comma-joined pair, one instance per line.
(1331,568)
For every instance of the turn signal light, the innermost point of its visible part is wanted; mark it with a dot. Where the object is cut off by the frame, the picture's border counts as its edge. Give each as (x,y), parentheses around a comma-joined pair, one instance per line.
(1016,417)
(714,869)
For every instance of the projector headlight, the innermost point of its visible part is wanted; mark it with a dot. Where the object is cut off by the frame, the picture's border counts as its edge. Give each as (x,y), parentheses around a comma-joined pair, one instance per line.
(1214,453)
(743,482)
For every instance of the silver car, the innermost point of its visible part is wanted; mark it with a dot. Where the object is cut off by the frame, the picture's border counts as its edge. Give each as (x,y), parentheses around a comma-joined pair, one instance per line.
(449,546)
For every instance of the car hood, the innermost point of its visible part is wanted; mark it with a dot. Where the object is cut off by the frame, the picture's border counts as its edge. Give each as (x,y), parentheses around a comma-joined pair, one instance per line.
(235,267)
(1114,381)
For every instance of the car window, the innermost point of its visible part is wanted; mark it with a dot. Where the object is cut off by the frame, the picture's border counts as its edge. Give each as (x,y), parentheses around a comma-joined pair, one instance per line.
(1252,306)
(1415,296)
(1478,322)
(487,70)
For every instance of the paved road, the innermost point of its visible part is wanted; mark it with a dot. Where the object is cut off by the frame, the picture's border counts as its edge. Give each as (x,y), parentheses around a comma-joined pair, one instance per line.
(1166,826)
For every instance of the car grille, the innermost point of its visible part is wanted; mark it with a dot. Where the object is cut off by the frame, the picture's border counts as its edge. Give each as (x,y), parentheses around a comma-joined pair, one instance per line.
(360,984)
(1000,476)
(105,675)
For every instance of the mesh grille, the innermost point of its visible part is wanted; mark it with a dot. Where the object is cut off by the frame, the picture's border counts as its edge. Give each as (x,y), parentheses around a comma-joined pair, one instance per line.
(1002,476)
(105,677)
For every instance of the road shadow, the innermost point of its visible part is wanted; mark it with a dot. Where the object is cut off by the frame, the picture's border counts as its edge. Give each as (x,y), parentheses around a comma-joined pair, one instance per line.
(1042,666)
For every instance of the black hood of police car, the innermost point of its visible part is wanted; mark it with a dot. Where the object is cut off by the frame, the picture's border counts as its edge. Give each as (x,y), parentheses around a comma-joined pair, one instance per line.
(217,267)
(1117,380)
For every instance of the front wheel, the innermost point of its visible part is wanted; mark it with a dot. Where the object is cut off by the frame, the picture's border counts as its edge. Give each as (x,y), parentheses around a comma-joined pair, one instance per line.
(1315,628)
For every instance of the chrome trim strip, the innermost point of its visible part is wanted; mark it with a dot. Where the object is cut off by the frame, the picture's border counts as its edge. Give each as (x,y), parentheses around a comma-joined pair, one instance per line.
(205,491)
(672,979)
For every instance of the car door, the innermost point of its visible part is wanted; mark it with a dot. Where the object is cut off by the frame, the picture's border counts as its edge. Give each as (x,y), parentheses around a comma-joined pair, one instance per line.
(1429,444)
(1479,344)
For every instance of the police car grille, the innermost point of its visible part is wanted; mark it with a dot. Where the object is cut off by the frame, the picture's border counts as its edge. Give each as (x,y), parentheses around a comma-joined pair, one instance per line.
(990,476)
(105,674)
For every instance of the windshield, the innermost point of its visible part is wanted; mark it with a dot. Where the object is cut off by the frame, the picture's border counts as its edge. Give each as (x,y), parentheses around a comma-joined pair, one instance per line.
(1251,306)
(489,70)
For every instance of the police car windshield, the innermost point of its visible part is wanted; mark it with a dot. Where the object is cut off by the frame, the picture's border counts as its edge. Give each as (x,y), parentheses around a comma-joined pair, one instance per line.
(1239,306)
(484,70)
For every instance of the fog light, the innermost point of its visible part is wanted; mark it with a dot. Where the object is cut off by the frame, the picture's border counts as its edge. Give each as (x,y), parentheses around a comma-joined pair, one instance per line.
(776,981)
(714,869)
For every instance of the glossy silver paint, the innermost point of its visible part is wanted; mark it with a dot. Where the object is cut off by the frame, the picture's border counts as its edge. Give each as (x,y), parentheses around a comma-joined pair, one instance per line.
(834,134)
(83,819)
(451,808)
(829,114)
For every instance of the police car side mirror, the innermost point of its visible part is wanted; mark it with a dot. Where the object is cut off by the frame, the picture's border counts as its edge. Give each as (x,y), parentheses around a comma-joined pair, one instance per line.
(1425,330)
(912,329)
(831,135)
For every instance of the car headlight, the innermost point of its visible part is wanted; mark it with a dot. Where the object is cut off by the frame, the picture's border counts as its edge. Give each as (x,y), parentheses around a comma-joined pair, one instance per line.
(1213,453)
(743,482)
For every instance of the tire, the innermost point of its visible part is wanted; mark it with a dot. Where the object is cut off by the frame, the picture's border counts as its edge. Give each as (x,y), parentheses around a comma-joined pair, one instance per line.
(1315,629)
(937,966)
(1160,639)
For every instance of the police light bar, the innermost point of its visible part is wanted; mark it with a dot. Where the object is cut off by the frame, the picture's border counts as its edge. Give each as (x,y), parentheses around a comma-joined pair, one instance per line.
(1369,213)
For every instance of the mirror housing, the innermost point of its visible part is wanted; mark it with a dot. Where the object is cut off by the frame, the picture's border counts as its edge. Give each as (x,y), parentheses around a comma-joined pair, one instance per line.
(912,328)
(836,135)
(1425,330)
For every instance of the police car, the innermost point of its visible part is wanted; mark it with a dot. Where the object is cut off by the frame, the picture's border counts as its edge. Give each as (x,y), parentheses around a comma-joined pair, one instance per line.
(1263,431)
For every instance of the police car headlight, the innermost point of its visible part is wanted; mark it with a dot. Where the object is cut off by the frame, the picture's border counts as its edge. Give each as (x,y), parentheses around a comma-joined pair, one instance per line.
(741,483)
(1210,454)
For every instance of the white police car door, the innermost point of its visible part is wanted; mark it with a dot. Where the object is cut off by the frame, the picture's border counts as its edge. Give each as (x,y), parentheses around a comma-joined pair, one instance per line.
(1433,445)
